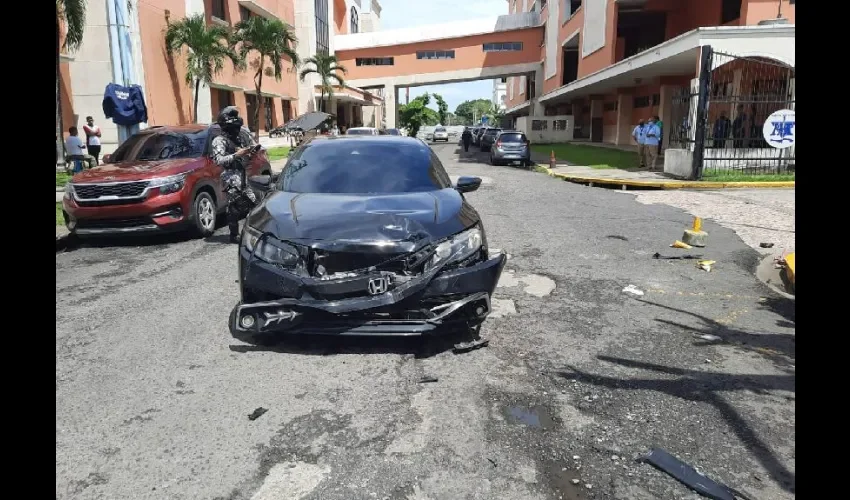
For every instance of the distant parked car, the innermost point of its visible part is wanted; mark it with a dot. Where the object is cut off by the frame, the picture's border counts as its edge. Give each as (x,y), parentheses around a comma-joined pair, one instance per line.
(441,134)
(488,138)
(510,146)
(390,131)
(362,131)
(160,179)
(475,131)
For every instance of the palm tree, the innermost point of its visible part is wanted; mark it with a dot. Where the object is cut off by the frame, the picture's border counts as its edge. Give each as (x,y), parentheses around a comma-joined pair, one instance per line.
(208,47)
(71,13)
(328,69)
(273,41)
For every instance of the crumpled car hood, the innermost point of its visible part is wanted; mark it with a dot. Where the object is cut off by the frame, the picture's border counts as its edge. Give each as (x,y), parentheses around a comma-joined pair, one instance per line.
(404,220)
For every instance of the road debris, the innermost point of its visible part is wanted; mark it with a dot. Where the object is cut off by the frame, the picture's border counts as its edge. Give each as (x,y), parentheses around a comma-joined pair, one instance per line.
(463,347)
(492,462)
(617,237)
(427,379)
(257,413)
(689,476)
(695,236)
(687,256)
(680,244)
(576,481)
(705,265)
(707,336)
(633,290)
(766,245)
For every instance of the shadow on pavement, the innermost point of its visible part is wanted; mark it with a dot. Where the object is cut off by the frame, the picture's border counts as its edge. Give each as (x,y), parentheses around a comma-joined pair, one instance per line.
(703,387)
(327,345)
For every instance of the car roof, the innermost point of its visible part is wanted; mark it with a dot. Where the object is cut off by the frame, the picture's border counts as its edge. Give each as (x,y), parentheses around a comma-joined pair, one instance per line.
(361,128)
(183,129)
(376,139)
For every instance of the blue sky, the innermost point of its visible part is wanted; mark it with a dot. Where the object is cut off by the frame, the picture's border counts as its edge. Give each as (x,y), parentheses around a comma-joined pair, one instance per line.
(407,13)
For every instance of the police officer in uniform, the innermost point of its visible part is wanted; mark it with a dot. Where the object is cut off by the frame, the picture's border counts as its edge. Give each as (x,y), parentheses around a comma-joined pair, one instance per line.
(231,151)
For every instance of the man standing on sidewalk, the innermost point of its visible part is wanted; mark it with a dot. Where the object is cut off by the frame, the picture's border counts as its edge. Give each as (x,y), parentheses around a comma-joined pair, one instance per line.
(652,137)
(638,135)
(76,149)
(92,138)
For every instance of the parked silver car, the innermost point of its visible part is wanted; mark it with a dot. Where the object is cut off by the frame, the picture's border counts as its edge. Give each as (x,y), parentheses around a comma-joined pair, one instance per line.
(441,134)
(510,146)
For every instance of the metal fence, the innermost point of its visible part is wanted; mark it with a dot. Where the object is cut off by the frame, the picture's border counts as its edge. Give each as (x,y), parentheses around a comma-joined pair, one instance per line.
(721,116)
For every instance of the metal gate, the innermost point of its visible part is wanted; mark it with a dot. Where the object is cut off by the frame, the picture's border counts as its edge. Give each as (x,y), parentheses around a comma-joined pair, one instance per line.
(720,117)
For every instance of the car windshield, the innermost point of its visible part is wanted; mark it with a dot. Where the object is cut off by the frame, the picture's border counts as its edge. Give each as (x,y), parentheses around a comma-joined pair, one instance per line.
(359,131)
(440,129)
(492,131)
(362,167)
(512,138)
(393,131)
(165,145)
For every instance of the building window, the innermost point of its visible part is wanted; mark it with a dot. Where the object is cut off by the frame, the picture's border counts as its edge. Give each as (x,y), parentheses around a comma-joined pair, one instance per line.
(322,34)
(244,13)
(542,4)
(435,54)
(219,9)
(502,47)
(355,21)
(656,99)
(559,125)
(641,102)
(375,61)
(504,79)
(538,125)
(287,111)
(729,11)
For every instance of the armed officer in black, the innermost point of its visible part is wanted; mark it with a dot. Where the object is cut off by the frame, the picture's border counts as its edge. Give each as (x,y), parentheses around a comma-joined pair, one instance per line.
(232,151)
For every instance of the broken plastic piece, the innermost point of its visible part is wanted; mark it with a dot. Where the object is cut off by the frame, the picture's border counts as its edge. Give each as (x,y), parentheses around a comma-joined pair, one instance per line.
(766,245)
(427,379)
(687,475)
(633,290)
(681,244)
(257,413)
(470,346)
(705,265)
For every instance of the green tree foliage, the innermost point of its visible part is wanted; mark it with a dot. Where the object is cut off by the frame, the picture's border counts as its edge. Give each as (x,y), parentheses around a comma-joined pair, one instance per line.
(442,109)
(330,73)
(414,115)
(471,111)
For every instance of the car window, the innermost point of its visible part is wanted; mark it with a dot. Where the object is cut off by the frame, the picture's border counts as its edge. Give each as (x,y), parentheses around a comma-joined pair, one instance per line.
(164,145)
(440,129)
(493,131)
(512,137)
(359,167)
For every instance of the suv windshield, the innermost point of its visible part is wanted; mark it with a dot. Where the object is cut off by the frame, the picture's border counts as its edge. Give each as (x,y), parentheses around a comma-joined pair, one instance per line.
(361,167)
(512,137)
(165,145)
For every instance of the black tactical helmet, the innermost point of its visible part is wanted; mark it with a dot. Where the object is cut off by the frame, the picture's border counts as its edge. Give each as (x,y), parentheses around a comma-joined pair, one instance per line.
(229,119)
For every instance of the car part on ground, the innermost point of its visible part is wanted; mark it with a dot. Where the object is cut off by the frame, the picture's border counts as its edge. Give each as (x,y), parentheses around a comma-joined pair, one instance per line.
(317,256)
(689,476)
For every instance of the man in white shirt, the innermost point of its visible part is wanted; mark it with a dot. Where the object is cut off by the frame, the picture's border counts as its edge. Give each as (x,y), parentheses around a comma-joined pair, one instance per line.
(76,149)
(639,135)
(92,138)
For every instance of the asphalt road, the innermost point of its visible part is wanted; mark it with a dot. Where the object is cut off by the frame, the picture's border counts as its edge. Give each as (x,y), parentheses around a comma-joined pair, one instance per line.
(153,394)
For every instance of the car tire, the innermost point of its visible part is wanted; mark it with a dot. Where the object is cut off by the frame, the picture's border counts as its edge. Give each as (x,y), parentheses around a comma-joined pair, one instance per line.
(203,214)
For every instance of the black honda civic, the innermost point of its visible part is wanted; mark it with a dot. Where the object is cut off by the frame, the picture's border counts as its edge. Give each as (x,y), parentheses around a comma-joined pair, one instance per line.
(363,235)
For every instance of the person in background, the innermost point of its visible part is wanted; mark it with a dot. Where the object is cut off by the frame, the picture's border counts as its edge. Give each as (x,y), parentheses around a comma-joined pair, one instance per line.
(739,127)
(92,132)
(660,125)
(638,136)
(721,130)
(466,138)
(652,137)
(76,149)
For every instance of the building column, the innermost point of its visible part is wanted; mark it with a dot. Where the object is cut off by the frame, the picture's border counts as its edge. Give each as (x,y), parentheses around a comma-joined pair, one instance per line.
(391,103)
(625,103)
(664,112)
(596,111)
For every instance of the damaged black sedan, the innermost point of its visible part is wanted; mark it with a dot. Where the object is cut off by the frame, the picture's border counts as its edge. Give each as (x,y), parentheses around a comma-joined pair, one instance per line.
(364,236)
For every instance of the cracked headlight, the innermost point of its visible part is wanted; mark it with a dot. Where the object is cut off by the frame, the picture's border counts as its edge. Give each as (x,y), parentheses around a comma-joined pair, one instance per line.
(170,184)
(272,250)
(458,247)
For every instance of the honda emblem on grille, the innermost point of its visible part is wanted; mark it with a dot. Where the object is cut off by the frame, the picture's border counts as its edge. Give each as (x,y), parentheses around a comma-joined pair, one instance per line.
(378,285)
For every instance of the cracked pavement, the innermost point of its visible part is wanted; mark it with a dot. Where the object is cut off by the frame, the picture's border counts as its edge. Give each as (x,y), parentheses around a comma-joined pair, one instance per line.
(153,394)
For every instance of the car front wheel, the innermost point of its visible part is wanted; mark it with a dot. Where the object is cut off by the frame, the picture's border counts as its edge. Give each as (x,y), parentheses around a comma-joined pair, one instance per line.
(204,214)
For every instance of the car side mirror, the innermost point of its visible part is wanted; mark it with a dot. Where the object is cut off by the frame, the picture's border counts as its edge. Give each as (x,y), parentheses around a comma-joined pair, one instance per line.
(107,158)
(263,182)
(468,184)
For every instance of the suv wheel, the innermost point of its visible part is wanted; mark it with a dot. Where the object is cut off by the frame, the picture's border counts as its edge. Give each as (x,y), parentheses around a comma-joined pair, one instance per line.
(204,214)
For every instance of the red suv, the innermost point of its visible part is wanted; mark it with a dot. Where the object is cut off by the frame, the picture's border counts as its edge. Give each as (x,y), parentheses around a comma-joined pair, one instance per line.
(160,179)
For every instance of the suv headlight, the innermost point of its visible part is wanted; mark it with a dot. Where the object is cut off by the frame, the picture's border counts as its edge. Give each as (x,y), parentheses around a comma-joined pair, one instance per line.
(458,247)
(170,184)
(69,190)
(272,250)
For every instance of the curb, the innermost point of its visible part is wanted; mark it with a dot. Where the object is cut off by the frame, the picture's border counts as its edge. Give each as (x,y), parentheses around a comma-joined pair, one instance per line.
(672,184)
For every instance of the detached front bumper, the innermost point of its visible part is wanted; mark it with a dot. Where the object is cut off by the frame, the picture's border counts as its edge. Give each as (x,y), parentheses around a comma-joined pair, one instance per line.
(337,307)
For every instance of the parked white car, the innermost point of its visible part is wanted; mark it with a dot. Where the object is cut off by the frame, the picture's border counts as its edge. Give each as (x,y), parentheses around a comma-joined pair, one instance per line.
(441,134)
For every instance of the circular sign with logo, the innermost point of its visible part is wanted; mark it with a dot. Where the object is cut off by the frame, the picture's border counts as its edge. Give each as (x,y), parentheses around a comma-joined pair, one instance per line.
(779,129)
